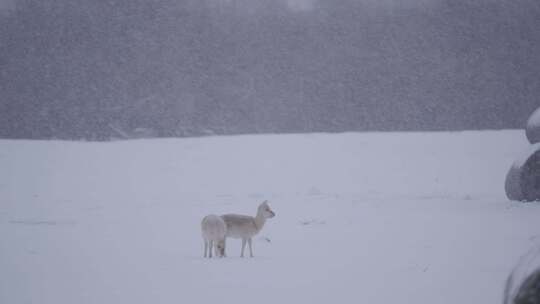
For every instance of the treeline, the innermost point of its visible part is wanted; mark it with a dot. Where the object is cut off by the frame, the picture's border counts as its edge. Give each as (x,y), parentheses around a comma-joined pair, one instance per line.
(96,70)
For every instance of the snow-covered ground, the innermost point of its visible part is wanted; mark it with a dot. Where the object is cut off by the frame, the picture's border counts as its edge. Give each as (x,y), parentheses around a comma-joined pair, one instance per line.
(361,218)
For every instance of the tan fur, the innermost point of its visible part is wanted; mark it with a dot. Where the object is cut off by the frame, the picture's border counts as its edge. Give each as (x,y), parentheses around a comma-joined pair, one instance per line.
(213,230)
(245,227)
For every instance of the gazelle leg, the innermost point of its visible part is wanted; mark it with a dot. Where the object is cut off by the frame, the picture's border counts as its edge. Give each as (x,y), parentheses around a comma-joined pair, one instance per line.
(205,247)
(250,249)
(211,246)
(224,247)
(243,246)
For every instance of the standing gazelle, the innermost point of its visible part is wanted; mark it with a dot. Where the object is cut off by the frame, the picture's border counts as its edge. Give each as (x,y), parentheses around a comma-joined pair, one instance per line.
(245,227)
(213,232)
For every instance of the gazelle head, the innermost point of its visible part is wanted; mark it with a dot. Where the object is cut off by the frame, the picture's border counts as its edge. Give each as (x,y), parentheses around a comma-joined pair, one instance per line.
(265,211)
(220,248)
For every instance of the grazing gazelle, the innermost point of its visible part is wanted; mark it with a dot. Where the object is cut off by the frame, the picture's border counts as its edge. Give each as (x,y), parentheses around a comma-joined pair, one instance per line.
(245,227)
(213,232)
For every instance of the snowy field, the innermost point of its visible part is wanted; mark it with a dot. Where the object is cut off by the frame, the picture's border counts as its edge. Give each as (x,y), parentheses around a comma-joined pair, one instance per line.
(361,218)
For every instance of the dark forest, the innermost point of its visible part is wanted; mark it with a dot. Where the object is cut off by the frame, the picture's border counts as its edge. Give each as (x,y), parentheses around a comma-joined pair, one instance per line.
(101,70)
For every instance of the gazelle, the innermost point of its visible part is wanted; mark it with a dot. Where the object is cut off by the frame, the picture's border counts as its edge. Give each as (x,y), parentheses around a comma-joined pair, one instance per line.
(245,227)
(213,232)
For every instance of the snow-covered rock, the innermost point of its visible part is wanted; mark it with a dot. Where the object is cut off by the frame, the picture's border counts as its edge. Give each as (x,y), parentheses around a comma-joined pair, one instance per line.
(523,178)
(523,284)
(532,129)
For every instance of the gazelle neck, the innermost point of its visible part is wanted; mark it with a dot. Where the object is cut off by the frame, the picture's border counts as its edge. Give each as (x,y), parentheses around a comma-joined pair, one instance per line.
(259,221)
